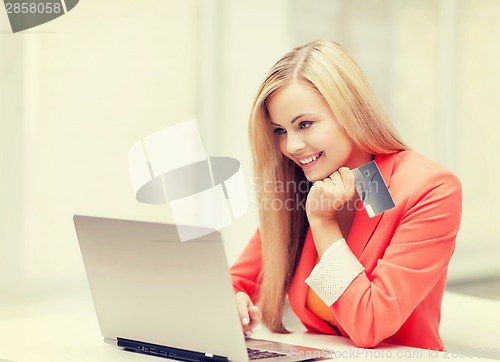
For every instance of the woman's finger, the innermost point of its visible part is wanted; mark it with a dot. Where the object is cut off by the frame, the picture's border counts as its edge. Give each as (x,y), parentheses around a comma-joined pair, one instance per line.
(336,180)
(255,316)
(243,302)
(347,177)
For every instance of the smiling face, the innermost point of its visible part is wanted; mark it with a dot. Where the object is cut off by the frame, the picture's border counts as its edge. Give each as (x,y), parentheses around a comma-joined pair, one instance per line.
(309,134)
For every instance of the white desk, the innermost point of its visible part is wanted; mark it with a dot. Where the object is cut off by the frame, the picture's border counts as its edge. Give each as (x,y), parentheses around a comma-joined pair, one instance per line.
(65,329)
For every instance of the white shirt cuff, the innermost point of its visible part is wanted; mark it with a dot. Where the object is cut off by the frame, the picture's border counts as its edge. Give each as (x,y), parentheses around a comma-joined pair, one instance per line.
(336,270)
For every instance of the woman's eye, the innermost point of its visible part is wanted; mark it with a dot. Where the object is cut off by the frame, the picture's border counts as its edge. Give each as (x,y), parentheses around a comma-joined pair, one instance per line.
(305,124)
(279,131)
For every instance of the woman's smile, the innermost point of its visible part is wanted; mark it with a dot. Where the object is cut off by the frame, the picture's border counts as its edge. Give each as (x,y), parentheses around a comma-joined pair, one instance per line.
(309,161)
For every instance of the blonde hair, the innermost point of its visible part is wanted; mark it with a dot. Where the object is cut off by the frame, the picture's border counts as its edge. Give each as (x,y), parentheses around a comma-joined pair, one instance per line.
(328,68)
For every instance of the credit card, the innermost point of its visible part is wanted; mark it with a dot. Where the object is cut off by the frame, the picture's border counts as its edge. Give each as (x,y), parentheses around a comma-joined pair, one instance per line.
(372,189)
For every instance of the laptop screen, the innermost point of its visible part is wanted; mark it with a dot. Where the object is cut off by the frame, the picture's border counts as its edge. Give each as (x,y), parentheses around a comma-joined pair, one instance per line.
(149,286)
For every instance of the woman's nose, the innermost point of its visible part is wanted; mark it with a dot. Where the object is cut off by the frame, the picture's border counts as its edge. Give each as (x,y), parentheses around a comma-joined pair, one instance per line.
(294,143)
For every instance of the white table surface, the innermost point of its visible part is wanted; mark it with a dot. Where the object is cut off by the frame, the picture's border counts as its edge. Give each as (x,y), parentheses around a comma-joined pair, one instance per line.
(64,328)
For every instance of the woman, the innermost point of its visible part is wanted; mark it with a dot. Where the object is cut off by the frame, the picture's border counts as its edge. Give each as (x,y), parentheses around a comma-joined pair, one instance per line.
(314,119)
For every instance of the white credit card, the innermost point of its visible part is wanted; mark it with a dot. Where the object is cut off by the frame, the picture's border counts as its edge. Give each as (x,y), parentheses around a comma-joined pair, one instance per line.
(372,189)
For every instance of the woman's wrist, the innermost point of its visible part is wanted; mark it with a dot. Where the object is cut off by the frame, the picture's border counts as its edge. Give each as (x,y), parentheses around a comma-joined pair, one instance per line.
(325,233)
(319,221)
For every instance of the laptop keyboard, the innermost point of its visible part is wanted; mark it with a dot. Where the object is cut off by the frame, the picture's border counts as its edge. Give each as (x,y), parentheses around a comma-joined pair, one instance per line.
(254,354)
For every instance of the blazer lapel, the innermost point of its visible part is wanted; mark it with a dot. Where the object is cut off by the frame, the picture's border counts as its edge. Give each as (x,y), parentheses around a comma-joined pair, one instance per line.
(362,226)
(306,263)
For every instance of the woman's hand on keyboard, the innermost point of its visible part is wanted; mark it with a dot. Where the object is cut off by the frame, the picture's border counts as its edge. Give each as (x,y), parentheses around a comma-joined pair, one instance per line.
(250,314)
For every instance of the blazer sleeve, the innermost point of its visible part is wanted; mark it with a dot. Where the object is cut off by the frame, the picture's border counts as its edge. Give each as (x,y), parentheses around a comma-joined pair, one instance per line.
(375,306)
(245,273)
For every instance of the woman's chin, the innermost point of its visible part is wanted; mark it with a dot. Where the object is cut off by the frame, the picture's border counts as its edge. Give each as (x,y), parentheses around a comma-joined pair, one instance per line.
(313,177)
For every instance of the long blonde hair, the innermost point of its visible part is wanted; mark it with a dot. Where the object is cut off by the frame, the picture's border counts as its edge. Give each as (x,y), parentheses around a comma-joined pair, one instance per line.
(281,186)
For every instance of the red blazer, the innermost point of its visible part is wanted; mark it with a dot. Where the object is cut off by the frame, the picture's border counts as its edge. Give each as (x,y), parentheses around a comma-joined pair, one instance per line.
(405,252)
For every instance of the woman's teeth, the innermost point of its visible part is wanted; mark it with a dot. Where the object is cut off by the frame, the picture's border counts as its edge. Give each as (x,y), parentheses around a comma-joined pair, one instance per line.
(309,160)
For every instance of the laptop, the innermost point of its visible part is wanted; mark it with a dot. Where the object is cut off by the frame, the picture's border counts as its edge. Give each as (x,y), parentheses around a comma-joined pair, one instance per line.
(156,295)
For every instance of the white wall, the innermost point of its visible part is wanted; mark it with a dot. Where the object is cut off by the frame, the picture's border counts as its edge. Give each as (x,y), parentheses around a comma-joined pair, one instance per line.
(77,92)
